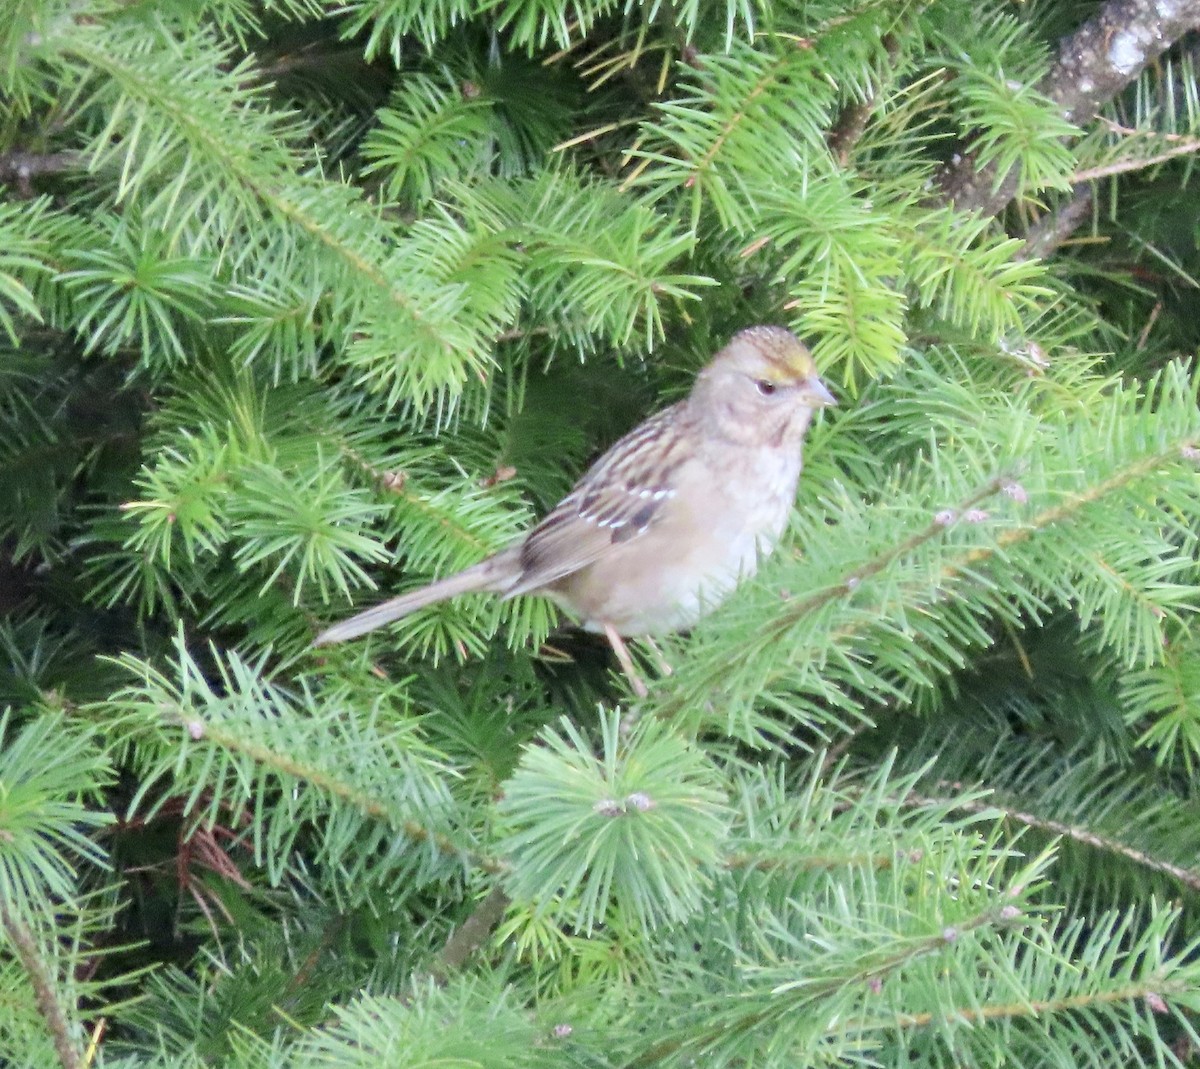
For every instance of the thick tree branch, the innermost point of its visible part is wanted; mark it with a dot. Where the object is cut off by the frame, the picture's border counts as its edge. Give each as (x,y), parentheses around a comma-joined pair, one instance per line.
(1105,54)
(471,934)
(852,122)
(21,168)
(1094,63)
(1049,232)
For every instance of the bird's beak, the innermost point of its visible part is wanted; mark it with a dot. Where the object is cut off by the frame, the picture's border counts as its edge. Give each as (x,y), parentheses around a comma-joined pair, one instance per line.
(818,393)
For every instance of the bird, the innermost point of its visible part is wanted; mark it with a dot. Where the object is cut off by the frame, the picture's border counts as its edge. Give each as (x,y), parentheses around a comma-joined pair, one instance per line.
(663,526)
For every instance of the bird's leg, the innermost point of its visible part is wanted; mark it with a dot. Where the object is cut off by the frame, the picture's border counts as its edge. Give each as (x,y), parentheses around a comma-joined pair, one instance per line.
(664,666)
(626,662)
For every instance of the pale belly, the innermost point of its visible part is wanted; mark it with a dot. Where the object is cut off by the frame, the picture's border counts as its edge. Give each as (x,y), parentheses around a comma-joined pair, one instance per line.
(690,559)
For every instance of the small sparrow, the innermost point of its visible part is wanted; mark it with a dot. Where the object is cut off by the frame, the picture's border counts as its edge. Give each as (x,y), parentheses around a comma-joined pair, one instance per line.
(666,522)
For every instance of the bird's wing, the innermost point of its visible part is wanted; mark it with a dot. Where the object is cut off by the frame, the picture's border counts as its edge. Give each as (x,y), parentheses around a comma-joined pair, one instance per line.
(619,499)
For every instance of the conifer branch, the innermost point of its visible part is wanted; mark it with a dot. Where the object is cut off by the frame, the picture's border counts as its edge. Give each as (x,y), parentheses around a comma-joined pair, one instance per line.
(1094,63)
(1190,878)
(1148,991)
(283,195)
(808,861)
(717,137)
(284,765)
(398,485)
(768,78)
(1072,504)
(950,583)
(1183,147)
(1108,51)
(934,529)
(851,124)
(814,989)
(958,566)
(43,989)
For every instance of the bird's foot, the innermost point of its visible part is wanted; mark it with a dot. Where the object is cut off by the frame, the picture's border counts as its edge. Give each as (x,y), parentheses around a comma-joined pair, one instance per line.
(664,666)
(625,660)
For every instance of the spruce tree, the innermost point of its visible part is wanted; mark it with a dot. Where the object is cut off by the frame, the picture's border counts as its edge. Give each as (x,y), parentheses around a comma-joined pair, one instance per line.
(305,304)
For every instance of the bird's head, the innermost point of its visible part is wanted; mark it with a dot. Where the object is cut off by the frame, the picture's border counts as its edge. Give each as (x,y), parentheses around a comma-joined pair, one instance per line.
(761,389)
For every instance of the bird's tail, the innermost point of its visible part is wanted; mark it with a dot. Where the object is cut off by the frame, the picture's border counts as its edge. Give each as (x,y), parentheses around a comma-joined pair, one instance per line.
(481,576)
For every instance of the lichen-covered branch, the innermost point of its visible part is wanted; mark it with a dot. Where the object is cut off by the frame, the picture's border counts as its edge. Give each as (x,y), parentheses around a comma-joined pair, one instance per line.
(1094,63)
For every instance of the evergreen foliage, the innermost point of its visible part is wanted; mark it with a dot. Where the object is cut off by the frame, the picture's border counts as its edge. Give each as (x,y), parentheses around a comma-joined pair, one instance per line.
(302,304)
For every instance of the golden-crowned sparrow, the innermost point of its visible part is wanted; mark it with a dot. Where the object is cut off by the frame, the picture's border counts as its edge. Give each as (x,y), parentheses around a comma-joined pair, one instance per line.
(665,523)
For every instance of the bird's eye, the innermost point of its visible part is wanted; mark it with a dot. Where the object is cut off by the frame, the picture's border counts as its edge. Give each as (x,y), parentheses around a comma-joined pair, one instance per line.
(765,386)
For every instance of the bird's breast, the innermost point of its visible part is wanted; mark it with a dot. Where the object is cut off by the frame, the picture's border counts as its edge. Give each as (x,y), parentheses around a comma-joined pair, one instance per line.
(727,510)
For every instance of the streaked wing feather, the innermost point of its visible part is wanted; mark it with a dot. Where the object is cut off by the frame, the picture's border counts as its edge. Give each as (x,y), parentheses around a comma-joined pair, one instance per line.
(618,500)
